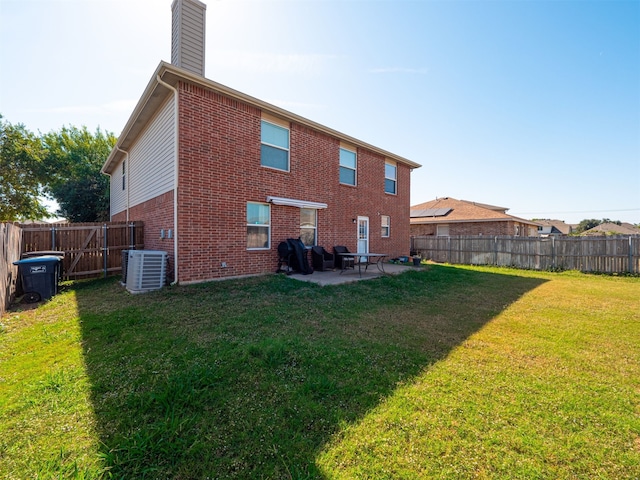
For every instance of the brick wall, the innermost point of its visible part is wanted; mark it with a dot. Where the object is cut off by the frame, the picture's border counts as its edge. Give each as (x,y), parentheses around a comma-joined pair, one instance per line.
(219,162)
(157,215)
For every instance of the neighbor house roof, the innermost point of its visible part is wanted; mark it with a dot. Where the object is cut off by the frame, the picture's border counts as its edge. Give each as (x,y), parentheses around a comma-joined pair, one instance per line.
(612,229)
(155,93)
(559,225)
(451,210)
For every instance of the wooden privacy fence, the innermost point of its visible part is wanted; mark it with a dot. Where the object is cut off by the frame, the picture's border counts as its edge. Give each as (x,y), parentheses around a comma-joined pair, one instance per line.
(10,249)
(91,249)
(606,254)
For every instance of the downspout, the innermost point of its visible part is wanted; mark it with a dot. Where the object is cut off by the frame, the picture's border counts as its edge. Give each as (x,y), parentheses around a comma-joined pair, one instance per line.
(127,176)
(175,178)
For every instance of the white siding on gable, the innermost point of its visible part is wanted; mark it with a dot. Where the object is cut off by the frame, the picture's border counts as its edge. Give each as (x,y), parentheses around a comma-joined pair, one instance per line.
(151,168)
(118,196)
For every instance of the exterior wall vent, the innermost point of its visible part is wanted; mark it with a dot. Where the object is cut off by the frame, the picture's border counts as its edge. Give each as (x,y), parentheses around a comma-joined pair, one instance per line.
(188,35)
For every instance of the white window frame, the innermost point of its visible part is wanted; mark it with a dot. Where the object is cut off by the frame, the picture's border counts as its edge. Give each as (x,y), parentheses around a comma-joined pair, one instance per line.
(442,230)
(393,179)
(278,147)
(314,227)
(267,226)
(347,167)
(386,226)
(363,236)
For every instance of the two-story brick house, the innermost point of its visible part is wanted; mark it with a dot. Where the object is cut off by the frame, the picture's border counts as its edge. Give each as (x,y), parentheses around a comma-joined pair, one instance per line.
(219,178)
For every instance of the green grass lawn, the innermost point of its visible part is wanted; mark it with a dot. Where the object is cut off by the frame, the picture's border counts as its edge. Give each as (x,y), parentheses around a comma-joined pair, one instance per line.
(448,372)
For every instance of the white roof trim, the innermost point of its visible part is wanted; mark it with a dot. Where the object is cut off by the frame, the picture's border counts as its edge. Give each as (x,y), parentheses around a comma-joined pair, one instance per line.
(291,202)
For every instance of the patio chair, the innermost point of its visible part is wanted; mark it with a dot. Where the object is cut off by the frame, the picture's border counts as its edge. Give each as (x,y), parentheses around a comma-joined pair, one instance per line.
(343,261)
(321,259)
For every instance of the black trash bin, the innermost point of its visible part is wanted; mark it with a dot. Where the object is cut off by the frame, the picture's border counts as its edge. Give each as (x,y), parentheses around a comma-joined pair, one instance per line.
(39,277)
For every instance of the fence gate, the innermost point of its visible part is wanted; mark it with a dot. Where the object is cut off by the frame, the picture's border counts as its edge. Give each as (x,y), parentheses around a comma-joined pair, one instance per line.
(91,249)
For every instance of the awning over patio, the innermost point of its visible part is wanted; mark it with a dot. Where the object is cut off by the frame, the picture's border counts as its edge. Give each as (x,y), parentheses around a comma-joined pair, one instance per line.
(291,202)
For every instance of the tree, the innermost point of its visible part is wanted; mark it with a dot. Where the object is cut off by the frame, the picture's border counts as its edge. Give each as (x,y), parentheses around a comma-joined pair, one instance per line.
(585,224)
(20,174)
(73,159)
(608,220)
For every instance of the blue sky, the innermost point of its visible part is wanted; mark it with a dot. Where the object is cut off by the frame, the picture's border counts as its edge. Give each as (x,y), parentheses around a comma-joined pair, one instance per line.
(530,105)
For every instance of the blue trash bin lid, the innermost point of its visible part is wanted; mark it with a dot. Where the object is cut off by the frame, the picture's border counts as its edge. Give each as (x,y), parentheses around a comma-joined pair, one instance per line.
(42,259)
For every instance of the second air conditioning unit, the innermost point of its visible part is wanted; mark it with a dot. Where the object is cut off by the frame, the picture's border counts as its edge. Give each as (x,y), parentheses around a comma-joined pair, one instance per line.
(146,270)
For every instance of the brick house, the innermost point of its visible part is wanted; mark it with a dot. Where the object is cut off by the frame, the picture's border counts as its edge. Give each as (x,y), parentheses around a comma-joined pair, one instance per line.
(609,228)
(219,178)
(554,227)
(451,217)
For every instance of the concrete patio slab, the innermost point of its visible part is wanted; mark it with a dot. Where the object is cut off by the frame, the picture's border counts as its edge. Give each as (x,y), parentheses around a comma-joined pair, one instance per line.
(334,277)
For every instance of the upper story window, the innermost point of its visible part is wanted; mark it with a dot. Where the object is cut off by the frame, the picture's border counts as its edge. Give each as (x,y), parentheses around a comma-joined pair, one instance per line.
(348,163)
(390,177)
(308,226)
(124,174)
(258,225)
(386,225)
(274,151)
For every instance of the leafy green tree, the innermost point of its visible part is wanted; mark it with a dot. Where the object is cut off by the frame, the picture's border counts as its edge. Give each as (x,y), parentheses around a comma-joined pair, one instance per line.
(587,224)
(20,174)
(73,159)
(608,220)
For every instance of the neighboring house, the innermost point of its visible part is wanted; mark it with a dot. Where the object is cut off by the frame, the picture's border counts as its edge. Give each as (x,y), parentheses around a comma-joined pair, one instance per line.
(553,227)
(450,217)
(612,229)
(220,178)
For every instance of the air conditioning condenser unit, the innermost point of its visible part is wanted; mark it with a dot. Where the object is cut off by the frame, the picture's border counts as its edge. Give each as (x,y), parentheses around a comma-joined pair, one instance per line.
(146,270)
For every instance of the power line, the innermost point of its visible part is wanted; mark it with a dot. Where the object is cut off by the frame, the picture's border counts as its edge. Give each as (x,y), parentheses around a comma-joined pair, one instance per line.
(578,211)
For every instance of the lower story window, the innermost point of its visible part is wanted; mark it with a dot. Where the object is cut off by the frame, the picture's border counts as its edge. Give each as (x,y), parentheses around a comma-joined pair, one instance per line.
(258,225)
(308,226)
(442,230)
(386,225)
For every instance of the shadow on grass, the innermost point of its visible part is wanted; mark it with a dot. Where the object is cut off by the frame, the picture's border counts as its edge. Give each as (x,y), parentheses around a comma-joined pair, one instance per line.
(250,378)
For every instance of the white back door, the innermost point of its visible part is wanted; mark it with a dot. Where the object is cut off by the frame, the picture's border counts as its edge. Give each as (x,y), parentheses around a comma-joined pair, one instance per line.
(363,235)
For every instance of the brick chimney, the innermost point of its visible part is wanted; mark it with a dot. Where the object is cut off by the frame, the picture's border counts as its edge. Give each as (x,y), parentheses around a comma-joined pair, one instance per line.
(187,35)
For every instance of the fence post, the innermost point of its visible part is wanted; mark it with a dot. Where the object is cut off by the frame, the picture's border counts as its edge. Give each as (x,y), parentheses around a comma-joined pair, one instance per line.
(53,238)
(132,236)
(104,249)
(553,252)
(630,255)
